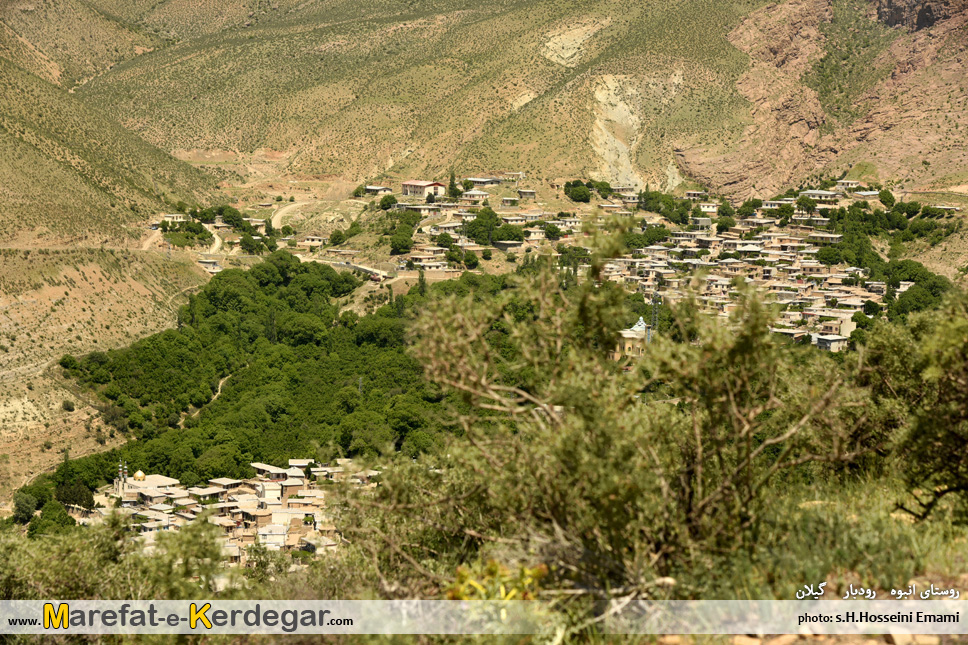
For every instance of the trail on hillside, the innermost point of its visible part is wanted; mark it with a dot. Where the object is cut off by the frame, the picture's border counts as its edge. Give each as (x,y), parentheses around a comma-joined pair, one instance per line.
(277,216)
(218,391)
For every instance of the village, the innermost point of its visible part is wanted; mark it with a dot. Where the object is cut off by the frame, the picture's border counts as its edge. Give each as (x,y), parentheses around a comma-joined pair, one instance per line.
(281,508)
(818,300)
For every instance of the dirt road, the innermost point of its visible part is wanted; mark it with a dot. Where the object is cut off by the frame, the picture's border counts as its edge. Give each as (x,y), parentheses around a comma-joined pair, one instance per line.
(277,216)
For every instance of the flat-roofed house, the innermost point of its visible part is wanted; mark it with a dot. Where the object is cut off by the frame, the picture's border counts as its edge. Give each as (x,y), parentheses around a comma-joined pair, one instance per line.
(832,343)
(415,188)
(272,473)
(473,196)
(481,182)
(378,191)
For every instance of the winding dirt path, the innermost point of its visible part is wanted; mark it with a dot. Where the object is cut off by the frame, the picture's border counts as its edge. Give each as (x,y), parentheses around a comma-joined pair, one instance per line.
(277,216)
(217,392)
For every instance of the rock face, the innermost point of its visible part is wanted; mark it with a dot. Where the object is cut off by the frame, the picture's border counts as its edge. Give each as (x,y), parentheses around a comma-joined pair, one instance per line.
(918,14)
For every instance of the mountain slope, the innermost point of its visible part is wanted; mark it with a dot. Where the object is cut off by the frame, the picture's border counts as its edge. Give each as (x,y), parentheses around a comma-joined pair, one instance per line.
(419,87)
(66,41)
(892,105)
(745,96)
(69,170)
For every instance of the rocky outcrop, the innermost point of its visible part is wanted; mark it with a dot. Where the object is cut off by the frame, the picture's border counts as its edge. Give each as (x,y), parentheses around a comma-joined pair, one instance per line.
(918,14)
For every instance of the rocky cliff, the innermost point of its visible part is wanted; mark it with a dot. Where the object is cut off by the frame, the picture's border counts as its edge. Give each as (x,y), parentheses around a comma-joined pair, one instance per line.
(918,14)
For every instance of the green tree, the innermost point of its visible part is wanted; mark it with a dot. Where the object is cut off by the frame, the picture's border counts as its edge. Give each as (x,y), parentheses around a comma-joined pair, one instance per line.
(580,194)
(387,202)
(886,197)
(359,191)
(807,204)
(400,243)
(553,232)
(829,255)
(470,260)
(724,223)
(337,237)
(24,505)
(250,245)
(453,190)
(53,519)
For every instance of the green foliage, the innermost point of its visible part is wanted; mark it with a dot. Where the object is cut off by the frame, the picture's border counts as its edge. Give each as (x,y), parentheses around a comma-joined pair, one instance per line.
(553,232)
(851,64)
(53,519)
(507,232)
(925,364)
(401,242)
(807,204)
(724,223)
(387,201)
(576,191)
(651,236)
(187,234)
(24,505)
(453,190)
(481,230)
(337,237)
(302,379)
(829,255)
(886,197)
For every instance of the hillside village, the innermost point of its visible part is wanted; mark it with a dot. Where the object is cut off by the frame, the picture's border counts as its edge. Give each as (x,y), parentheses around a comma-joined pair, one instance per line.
(774,244)
(282,508)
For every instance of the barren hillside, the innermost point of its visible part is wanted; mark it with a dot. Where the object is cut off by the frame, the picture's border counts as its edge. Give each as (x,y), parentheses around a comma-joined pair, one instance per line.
(58,302)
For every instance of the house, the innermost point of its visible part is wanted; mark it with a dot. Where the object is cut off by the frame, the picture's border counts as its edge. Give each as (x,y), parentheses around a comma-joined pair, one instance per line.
(524,193)
(696,195)
(422,188)
(509,201)
(847,184)
(709,208)
(451,228)
(424,209)
(701,222)
(312,241)
(832,343)
(774,204)
(480,182)
(206,494)
(273,536)
(174,218)
(822,196)
(824,239)
(474,196)
(377,191)
(272,473)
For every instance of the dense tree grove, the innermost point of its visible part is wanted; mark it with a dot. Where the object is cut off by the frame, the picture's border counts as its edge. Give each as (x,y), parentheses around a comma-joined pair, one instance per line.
(297,378)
